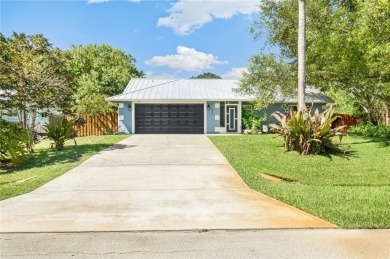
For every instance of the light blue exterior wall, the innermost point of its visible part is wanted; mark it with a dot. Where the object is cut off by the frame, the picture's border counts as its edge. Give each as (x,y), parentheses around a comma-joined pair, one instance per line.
(125,125)
(211,121)
(38,120)
(278,107)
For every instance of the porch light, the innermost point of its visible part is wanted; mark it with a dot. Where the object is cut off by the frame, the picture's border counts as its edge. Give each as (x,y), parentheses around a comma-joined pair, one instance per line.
(129,107)
(208,107)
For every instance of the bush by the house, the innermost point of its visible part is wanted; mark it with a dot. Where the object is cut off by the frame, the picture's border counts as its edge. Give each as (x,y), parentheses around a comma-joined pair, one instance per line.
(370,130)
(13,141)
(252,120)
(307,133)
(59,130)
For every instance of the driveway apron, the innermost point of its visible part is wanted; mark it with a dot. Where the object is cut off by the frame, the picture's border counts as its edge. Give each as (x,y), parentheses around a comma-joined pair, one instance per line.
(151,182)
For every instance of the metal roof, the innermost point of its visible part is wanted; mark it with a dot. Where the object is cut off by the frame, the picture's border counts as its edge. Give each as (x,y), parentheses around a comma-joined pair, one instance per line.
(312,95)
(142,89)
(180,89)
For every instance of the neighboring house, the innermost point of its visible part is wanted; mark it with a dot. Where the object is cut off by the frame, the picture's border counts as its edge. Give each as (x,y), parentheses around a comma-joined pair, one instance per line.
(191,106)
(41,119)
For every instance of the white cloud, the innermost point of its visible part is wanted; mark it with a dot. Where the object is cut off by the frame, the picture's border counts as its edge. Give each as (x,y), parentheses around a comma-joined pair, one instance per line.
(189,15)
(97,1)
(186,59)
(234,73)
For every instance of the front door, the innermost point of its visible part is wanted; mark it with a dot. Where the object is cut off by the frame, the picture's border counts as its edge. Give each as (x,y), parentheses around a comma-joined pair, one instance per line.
(231,117)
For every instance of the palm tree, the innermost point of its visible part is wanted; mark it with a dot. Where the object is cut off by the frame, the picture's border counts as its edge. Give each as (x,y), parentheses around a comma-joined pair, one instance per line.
(301,54)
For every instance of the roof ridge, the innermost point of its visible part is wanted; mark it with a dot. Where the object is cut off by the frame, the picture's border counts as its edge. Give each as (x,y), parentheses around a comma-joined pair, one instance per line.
(153,86)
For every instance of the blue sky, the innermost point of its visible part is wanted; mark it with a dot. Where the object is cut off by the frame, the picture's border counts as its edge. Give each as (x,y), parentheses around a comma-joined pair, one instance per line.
(169,39)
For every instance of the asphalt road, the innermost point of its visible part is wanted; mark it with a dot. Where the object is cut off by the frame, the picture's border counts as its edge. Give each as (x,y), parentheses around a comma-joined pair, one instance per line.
(287,243)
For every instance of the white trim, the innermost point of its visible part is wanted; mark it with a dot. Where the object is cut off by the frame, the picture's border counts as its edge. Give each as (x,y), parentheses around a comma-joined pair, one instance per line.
(132,118)
(121,117)
(169,102)
(227,122)
(216,117)
(216,105)
(239,117)
(181,100)
(222,130)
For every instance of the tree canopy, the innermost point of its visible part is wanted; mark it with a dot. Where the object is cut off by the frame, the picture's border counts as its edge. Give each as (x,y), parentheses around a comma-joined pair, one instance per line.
(33,75)
(101,69)
(348,47)
(99,72)
(206,75)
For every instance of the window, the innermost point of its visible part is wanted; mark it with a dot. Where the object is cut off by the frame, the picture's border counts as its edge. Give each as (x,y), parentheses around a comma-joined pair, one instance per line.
(247,107)
(222,114)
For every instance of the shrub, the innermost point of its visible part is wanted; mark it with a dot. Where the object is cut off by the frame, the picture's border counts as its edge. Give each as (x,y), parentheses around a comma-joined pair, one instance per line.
(370,130)
(307,133)
(252,120)
(13,143)
(59,130)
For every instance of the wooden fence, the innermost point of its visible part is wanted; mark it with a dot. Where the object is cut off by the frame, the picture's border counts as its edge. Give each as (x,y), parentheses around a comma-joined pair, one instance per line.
(105,124)
(345,120)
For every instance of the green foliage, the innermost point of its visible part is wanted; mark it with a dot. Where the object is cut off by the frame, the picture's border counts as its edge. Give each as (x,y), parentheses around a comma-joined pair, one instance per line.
(13,141)
(94,105)
(252,120)
(351,191)
(344,104)
(347,46)
(307,133)
(266,76)
(370,130)
(101,69)
(206,75)
(44,165)
(33,75)
(59,130)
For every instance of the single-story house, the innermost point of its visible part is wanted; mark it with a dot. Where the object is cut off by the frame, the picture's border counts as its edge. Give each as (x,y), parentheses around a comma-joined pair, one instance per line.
(42,118)
(192,106)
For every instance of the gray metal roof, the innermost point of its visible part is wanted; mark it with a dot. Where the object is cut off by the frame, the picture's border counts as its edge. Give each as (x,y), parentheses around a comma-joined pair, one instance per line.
(312,95)
(180,89)
(142,89)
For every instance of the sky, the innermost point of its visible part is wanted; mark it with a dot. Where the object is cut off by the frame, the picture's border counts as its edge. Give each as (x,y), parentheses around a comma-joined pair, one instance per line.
(169,39)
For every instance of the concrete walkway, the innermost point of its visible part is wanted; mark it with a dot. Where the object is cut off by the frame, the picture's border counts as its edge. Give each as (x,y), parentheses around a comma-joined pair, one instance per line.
(151,182)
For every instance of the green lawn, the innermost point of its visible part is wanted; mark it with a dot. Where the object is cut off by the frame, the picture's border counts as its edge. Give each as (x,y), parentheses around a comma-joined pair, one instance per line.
(352,191)
(45,164)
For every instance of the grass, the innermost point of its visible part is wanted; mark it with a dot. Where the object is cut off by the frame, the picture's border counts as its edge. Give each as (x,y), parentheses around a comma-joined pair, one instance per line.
(45,165)
(351,190)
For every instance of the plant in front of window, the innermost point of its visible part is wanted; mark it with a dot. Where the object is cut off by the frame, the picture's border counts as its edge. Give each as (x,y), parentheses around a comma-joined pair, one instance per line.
(59,130)
(308,133)
(252,120)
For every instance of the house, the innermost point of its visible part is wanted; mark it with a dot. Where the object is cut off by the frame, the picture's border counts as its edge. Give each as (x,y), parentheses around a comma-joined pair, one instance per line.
(42,118)
(191,106)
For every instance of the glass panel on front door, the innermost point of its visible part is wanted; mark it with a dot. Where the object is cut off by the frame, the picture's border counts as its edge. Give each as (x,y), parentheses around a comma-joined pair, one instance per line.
(231,118)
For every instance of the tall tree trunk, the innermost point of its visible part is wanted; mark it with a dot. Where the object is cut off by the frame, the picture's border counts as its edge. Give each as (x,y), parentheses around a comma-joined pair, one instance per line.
(387,115)
(301,55)
(31,129)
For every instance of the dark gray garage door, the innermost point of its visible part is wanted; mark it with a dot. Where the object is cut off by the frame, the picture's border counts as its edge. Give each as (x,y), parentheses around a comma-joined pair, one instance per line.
(169,118)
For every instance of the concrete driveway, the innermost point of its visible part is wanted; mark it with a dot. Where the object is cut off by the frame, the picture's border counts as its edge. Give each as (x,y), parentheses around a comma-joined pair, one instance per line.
(151,182)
